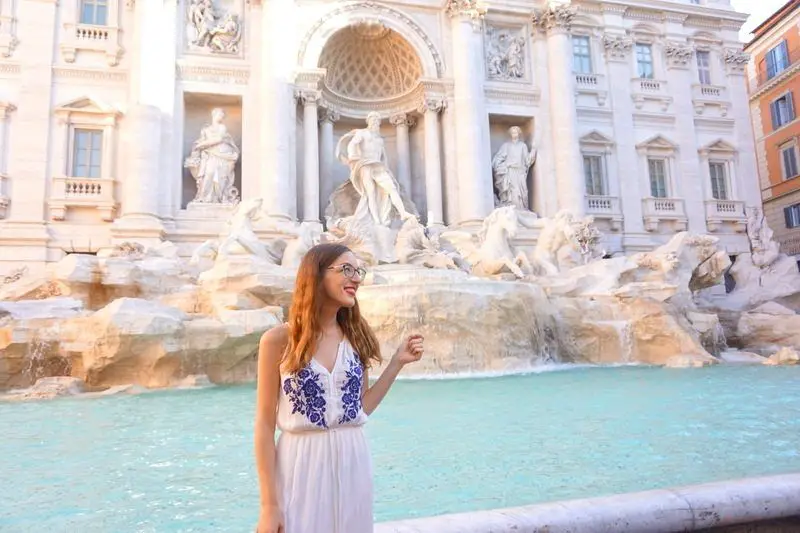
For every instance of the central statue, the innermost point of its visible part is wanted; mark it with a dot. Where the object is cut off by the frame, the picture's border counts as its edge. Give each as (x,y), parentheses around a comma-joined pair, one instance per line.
(364,152)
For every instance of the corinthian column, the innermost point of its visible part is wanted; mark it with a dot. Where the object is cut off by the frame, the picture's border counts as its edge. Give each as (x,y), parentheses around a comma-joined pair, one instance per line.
(402,122)
(309,98)
(555,22)
(327,118)
(472,127)
(433,162)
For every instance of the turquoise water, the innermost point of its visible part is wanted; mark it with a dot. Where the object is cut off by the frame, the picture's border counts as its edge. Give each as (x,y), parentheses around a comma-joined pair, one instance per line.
(182,460)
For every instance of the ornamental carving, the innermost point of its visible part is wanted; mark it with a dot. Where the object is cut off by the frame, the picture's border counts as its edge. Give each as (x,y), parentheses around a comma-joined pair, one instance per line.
(555,17)
(617,46)
(736,60)
(211,30)
(402,119)
(432,103)
(505,54)
(471,9)
(308,96)
(328,115)
(678,54)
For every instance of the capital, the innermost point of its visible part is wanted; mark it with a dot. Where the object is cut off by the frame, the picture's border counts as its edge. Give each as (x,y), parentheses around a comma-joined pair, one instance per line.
(402,119)
(556,17)
(473,10)
(432,104)
(308,96)
(328,115)
(617,46)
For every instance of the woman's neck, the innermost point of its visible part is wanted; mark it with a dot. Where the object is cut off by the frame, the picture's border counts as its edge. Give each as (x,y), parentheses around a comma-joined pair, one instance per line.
(327,320)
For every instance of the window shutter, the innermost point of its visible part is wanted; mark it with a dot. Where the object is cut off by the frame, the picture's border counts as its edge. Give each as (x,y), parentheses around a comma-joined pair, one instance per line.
(787,217)
(784,48)
(790,105)
(773,111)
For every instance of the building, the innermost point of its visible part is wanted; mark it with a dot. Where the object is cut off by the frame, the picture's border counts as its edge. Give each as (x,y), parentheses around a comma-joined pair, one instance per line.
(774,88)
(637,111)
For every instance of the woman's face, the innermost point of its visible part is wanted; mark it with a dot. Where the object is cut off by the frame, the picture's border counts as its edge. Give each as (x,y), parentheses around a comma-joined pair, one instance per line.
(342,279)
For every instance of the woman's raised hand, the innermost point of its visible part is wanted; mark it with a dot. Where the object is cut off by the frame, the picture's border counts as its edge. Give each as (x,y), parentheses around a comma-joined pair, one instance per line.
(410,351)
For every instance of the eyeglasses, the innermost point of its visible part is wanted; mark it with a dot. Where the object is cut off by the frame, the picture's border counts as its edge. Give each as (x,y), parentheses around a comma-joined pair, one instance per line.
(349,270)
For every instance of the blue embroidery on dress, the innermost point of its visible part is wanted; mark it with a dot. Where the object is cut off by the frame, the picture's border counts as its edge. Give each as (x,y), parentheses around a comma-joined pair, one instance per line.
(351,389)
(306,396)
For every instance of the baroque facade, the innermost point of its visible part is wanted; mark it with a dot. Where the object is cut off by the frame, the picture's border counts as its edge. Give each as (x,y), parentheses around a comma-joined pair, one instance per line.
(773,84)
(146,120)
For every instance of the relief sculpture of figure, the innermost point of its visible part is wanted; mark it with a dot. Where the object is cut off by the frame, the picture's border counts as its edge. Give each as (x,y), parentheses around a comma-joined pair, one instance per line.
(212,162)
(364,152)
(511,164)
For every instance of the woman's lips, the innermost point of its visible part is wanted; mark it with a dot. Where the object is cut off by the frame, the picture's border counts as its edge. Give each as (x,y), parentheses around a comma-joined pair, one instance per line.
(350,290)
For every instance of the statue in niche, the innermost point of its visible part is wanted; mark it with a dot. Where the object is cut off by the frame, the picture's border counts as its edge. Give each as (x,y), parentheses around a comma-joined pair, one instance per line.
(505,55)
(371,186)
(212,162)
(218,33)
(510,165)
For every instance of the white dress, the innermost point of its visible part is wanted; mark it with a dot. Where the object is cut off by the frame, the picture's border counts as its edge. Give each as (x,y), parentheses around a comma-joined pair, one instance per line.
(323,464)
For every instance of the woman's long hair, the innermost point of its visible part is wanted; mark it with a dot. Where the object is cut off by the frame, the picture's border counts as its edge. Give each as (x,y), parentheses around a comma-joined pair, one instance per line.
(304,314)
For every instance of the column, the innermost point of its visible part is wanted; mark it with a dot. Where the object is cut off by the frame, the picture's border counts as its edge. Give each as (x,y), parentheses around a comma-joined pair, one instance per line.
(277,128)
(472,134)
(5,109)
(433,163)
(555,21)
(747,169)
(402,122)
(326,120)
(309,99)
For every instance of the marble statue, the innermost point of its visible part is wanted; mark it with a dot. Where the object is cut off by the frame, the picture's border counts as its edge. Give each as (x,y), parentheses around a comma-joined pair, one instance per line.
(763,248)
(511,164)
(212,162)
(417,246)
(308,235)
(217,33)
(494,253)
(374,185)
(566,242)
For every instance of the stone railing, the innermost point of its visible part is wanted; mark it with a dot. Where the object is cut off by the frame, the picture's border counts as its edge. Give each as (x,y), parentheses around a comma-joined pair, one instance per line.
(592,84)
(95,193)
(721,211)
(605,208)
(587,80)
(91,38)
(644,89)
(709,92)
(655,210)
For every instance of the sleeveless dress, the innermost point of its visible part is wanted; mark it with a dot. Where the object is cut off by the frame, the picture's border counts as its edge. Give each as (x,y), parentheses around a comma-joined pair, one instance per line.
(323,464)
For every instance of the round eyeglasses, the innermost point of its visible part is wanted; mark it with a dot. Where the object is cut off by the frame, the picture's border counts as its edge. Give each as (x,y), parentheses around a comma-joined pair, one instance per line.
(349,270)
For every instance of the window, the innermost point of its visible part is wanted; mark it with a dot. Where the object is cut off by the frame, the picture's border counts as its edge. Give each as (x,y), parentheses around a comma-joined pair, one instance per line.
(581,55)
(657,169)
(644,60)
(782,111)
(87,153)
(789,161)
(777,60)
(792,215)
(594,174)
(719,180)
(704,67)
(94,12)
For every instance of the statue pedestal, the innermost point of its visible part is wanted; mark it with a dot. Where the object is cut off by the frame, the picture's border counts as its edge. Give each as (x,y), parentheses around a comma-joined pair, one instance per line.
(209,211)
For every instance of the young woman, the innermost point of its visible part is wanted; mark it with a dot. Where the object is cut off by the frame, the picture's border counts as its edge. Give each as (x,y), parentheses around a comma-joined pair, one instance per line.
(313,386)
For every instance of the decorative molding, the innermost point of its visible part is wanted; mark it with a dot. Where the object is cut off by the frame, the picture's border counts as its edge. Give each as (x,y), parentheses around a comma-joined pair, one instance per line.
(735,60)
(308,96)
(328,115)
(720,146)
(468,9)
(702,22)
(678,18)
(504,49)
(614,9)
(437,104)
(511,96)
(647,15)
(9,68)
(379,9)
(6,109)
(103,75)
(678,54)
(556,17)
(617,47)
(213,74)
(400,119)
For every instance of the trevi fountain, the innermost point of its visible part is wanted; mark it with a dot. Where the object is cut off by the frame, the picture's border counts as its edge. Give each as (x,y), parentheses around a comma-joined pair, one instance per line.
(578,344)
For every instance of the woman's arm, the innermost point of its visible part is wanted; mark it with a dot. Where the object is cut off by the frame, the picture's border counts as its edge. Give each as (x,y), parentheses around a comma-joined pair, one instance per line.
(409,352)
(270,352)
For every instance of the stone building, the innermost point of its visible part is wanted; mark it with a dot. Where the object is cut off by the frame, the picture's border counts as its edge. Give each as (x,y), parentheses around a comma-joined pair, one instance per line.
(773,84)
(634,112)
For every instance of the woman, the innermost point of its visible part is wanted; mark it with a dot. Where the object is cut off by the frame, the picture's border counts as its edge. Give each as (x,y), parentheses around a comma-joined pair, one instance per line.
(313,385)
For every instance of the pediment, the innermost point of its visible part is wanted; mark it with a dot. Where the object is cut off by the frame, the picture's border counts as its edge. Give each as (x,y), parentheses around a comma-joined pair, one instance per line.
(659,142)
(595,137)
(86,104)
(719,146)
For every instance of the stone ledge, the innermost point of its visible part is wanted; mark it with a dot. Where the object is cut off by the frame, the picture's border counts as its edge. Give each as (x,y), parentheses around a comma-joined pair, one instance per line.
(712,506)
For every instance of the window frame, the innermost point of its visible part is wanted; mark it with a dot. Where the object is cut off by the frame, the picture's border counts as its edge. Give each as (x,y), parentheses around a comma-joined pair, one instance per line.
(786,147)
(724,181)
(791,216)
(705,69)
(774,108)
(638,63)
(664,161)
(94,132)
(82,4)
(603,171)
(588,57)
(773,68)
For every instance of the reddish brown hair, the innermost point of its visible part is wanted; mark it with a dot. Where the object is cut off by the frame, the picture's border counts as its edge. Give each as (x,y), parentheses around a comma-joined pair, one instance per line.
(304,321)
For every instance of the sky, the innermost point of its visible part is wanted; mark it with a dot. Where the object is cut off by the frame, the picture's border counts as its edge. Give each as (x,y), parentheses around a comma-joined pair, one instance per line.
(759,10)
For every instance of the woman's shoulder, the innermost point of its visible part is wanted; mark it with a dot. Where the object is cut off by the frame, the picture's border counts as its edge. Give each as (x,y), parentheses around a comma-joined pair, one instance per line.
(275,340)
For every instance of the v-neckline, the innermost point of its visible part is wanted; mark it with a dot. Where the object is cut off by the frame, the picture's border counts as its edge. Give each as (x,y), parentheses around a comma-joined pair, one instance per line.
(335,361)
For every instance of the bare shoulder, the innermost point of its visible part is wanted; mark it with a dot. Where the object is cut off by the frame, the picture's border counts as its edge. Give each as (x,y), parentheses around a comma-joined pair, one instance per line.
(273,342)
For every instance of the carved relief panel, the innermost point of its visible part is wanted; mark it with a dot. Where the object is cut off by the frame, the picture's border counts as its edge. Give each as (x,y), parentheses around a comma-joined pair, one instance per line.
(214,27)
(506,54)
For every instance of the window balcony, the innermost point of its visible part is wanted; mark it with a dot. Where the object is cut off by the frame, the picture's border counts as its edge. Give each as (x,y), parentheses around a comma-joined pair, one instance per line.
(765,76)
(97,193)
(91,38)
(650,90)
(710,95)
(656,210)
(719,212)
(605,208)
(592,84)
